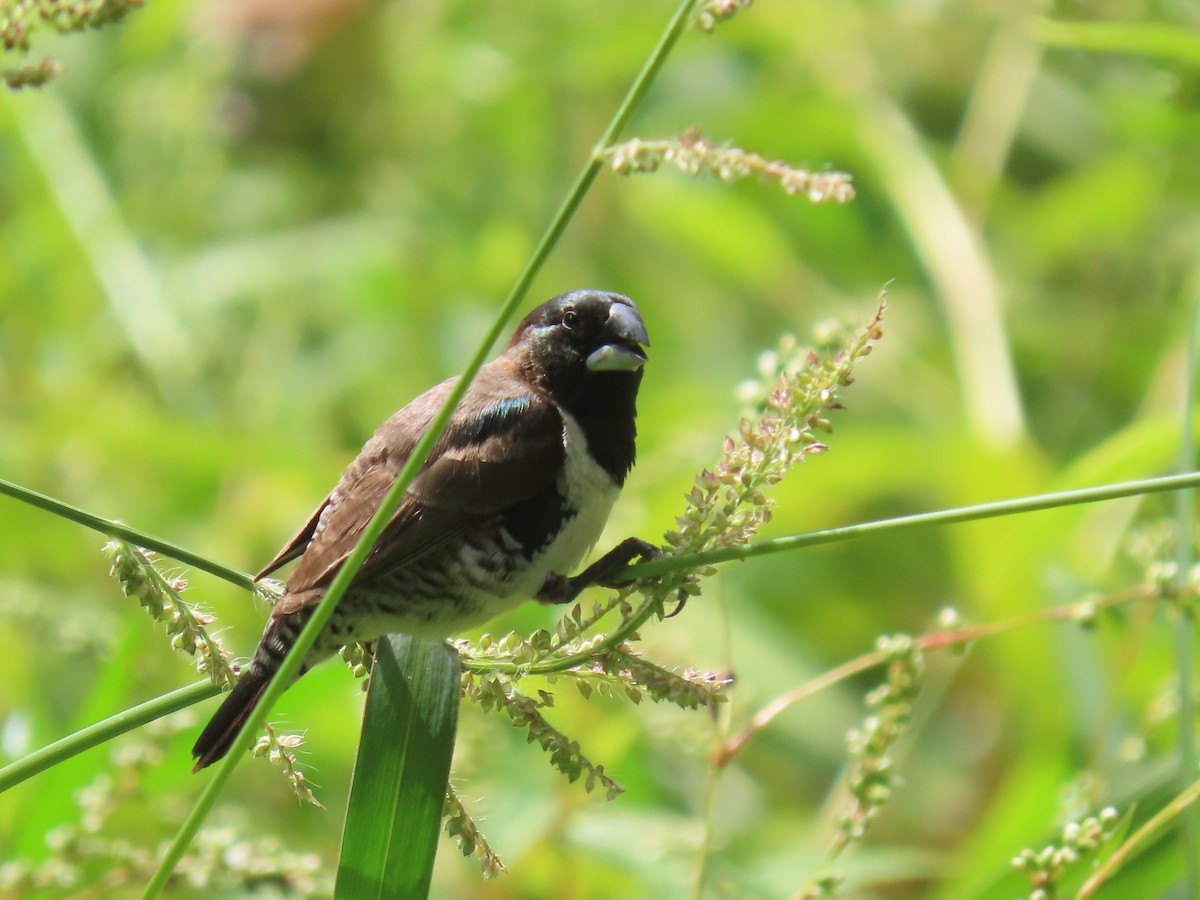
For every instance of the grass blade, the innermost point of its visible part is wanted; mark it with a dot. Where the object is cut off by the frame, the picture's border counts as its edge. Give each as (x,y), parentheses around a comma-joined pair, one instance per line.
(394,817)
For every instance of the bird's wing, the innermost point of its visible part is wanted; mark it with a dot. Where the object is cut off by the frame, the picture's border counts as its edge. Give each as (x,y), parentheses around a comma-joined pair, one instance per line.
(503,446)
(296,544)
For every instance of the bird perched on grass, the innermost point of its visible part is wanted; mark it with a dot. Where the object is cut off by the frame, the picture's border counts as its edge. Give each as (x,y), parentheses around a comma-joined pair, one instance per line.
(515,492)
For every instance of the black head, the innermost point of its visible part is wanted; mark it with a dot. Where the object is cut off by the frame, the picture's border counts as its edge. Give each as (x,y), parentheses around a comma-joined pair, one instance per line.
(584,338)
(585,349)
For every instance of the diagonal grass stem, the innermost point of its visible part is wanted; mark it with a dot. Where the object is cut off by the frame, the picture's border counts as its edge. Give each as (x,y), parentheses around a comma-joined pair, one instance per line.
(114,726)
(114,529)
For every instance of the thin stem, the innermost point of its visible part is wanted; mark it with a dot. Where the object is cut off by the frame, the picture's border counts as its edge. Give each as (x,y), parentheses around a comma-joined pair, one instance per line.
(105,730)
(952,516)
(1179,806)
(115,529)
(290,667)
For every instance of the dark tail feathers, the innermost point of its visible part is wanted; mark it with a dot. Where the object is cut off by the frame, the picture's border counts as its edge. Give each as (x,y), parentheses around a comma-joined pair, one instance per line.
(221,731)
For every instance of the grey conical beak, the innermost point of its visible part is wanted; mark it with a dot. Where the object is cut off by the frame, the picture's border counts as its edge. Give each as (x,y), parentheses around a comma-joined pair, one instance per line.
(625,335)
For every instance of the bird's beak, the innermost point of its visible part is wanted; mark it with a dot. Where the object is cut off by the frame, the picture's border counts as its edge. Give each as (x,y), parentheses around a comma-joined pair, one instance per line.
(626,335)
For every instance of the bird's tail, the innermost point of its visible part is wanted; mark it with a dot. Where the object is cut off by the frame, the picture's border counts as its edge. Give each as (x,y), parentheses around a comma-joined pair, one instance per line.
(222,730)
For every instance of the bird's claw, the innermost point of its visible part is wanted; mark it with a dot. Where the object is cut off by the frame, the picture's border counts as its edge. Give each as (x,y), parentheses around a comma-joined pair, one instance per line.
(558,589)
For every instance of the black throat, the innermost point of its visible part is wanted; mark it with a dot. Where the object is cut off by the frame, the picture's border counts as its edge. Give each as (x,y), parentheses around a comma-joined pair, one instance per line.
(605,406)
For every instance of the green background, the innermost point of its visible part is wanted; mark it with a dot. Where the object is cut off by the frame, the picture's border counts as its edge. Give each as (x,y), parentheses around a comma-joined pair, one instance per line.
(236,236)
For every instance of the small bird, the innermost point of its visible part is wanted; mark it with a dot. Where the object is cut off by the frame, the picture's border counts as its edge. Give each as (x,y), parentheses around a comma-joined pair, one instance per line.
(515,492)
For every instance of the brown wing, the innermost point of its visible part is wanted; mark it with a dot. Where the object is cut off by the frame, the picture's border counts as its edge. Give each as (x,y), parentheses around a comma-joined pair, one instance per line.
(503,446)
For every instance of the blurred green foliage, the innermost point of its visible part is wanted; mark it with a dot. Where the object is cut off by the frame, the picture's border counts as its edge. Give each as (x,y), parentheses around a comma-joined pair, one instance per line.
(235,236)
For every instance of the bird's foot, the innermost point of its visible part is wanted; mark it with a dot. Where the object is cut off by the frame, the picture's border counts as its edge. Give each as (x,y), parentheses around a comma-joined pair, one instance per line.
(563,589)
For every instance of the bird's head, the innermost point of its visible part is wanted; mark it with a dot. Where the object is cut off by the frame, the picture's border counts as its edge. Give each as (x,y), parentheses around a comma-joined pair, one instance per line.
(582,342)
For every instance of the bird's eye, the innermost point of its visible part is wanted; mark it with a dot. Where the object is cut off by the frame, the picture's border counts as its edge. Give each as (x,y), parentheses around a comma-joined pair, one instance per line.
(570,319)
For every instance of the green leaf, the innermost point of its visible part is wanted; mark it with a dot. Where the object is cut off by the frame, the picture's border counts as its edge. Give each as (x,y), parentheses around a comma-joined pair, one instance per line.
(395,812)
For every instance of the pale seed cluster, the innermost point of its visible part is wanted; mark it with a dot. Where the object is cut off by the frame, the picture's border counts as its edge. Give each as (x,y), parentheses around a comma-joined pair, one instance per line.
(727,505)
(21,17)
(460,826)
(496,692)
(873,779)
(159,595)
(693,154)
(280,750)
(713,12)
(689,689)
(1079,840)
